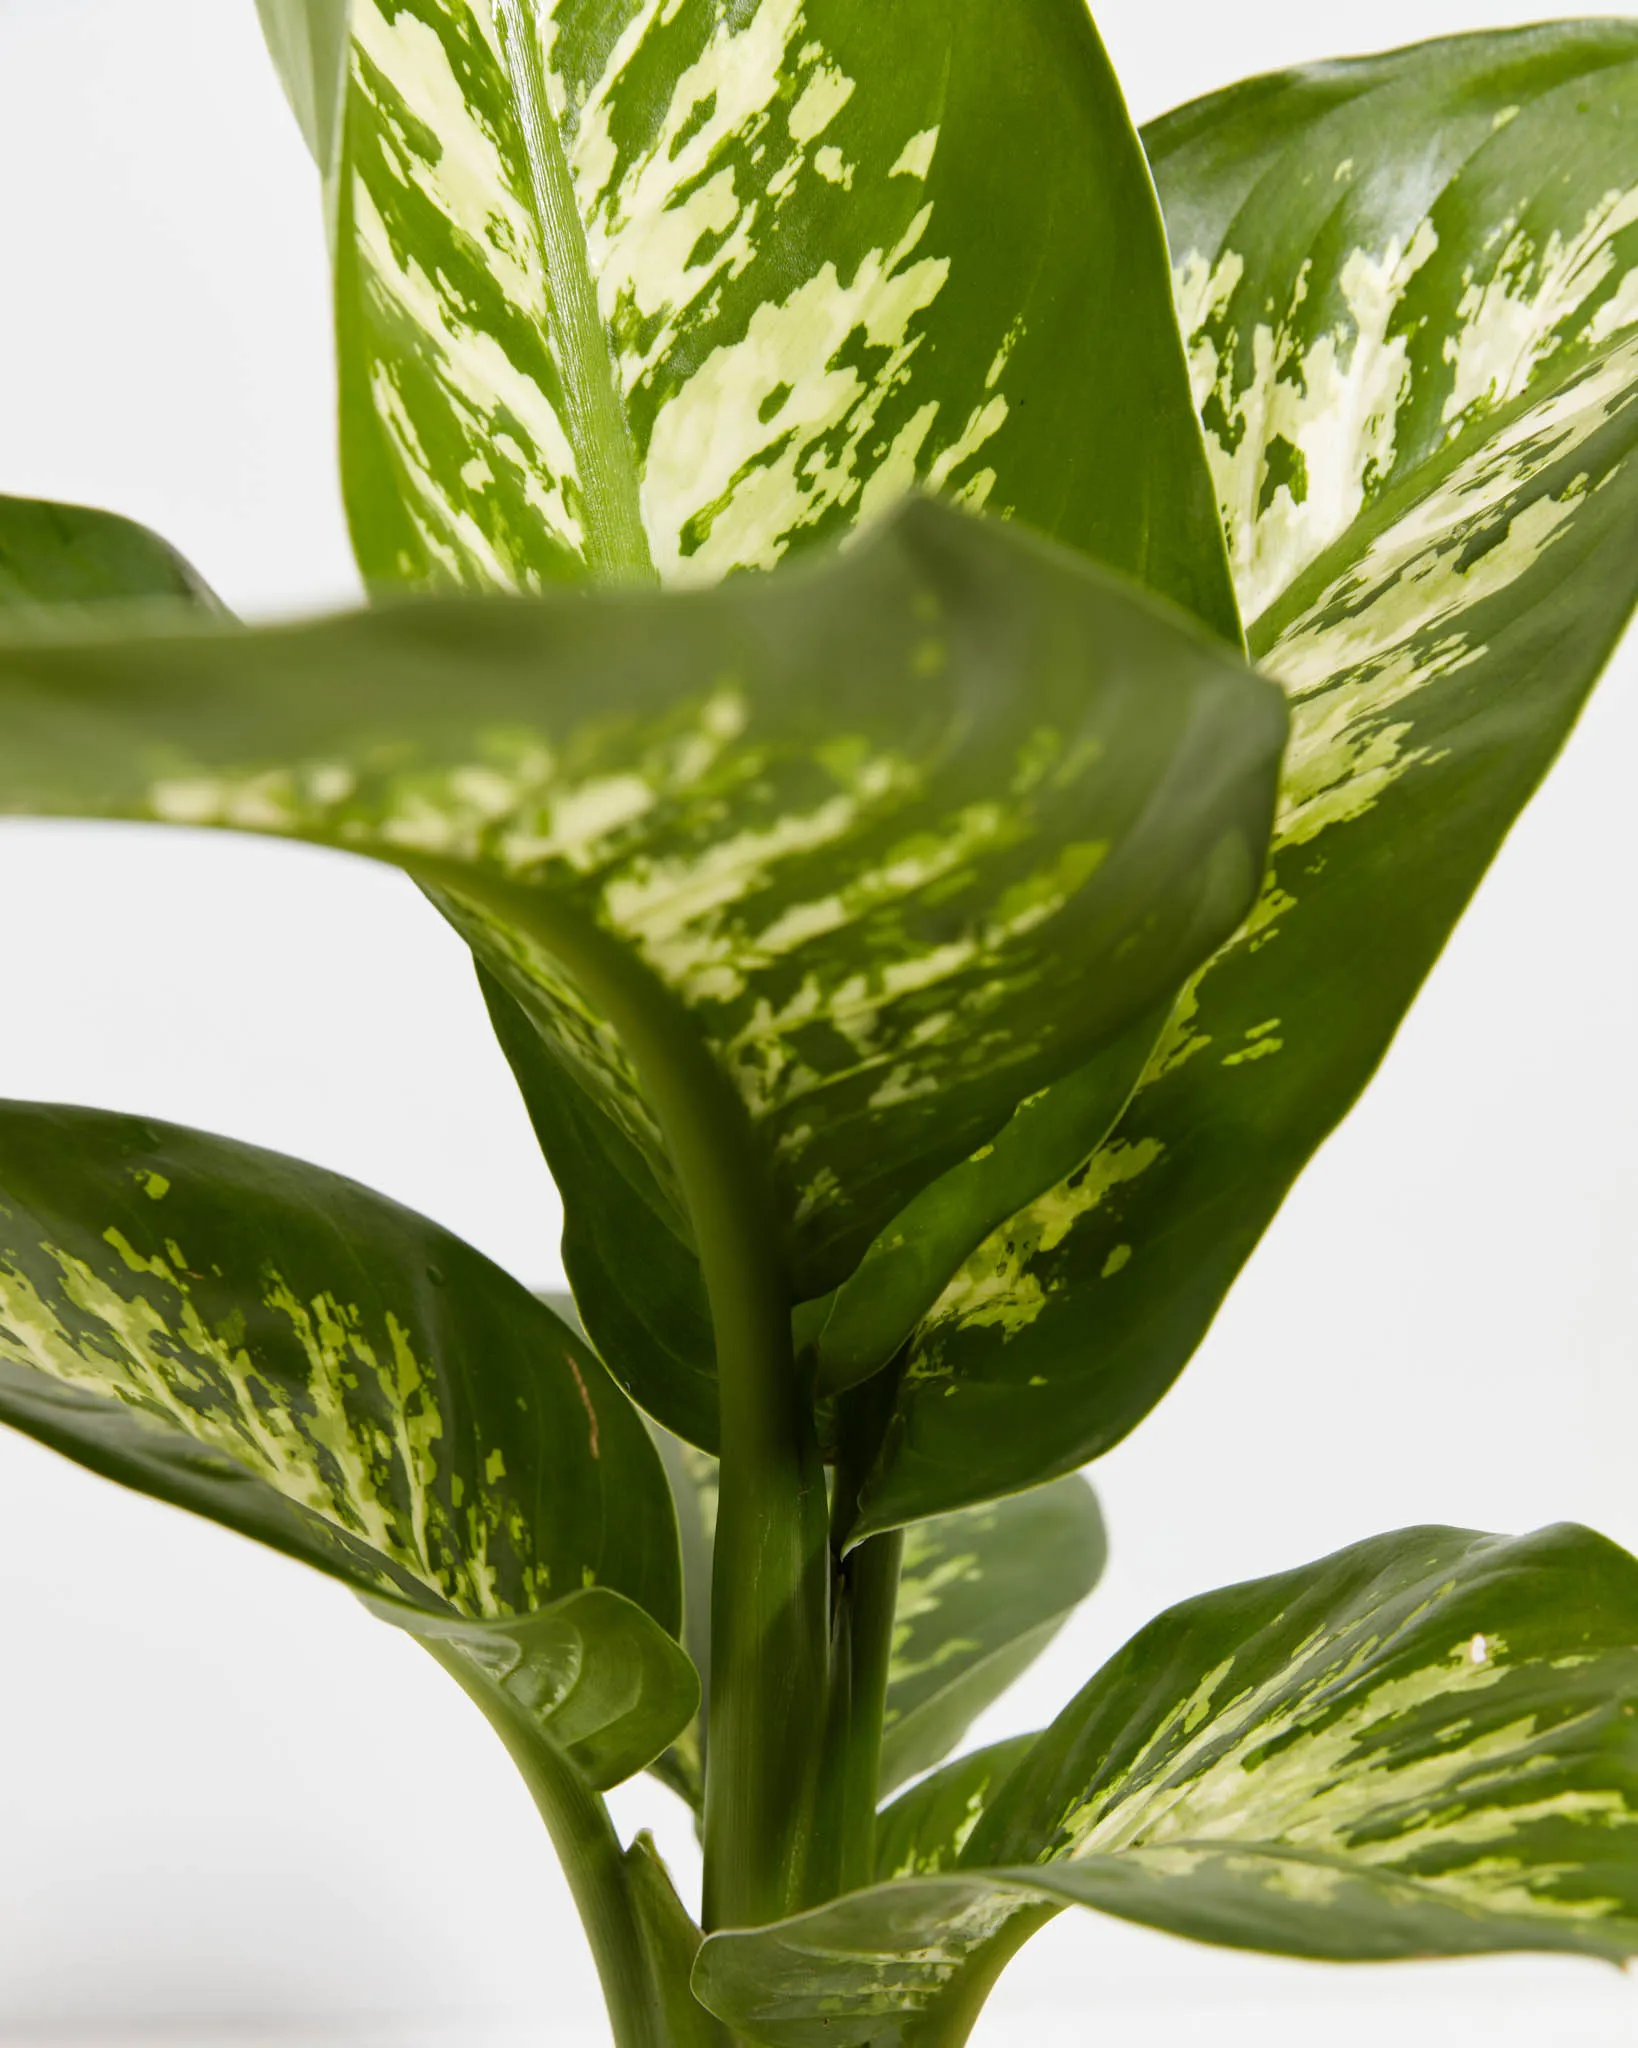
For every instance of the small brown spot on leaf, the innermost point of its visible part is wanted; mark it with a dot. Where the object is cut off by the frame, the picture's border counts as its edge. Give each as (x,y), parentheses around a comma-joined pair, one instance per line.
(586,1402)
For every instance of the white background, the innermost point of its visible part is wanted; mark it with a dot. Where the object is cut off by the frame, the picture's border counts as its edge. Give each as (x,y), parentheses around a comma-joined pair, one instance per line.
(233,1808)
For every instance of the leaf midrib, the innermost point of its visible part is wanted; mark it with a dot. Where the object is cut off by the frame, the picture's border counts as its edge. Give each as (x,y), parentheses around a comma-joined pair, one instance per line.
(615,540)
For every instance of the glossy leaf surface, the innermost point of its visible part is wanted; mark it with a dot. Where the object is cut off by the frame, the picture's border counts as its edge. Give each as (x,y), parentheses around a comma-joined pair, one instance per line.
(674,289)
(1410,287)
(855,1330)
(925,1829)
(1424,1745)
(303,1361)
(628,1245)
(592,1673)
(1049,801)
(981,1594)
(59,561)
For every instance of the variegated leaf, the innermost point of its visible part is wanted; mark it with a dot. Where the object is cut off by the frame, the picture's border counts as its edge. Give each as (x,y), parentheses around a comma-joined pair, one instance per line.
(677,289)
(290,1355)
(674,290)
(60,562)
(925,1829)
(1048,800)
(1411,291)
(981,1594)
(855,1330)
(1424,1745)
(671,289)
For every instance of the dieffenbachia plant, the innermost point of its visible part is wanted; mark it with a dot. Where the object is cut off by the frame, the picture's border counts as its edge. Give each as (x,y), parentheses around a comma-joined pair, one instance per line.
(810,494)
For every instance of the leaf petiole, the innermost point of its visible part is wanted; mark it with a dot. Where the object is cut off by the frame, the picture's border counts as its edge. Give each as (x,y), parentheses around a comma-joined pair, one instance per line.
(845,1823)
(593,1859)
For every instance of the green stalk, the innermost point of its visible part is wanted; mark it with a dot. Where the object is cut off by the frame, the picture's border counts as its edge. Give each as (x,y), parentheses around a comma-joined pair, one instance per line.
(873,1592)
(770,1593)
(866,1599)
(844,1855)
(770,1607)
(593,1861)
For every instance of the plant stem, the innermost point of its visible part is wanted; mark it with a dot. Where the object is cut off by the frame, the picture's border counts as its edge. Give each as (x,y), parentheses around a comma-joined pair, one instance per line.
(770,1599)
(591,1855)
(844,1856)
(770,1606)
(866,1584)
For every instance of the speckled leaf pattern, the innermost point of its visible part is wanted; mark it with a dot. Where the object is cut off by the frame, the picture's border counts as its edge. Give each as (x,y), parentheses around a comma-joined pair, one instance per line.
(1049,802)
(60,562)
(1410,288)
(981,1594)
(303,1361)
(672,289)
(1424,1745)
(925,1829)
(856,1329)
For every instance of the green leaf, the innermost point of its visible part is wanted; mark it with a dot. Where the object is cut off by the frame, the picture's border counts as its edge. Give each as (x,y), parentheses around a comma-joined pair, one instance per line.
(925,1829)
(592,1673)
(628,1245)
(867,1970)
(693,1477)
(60,562)
(673,1942)
(981,1594)
(1424,1745)
(299,1359)
(856,1329)
(1048,800)
(308,40)
(1411,291)
(673,289)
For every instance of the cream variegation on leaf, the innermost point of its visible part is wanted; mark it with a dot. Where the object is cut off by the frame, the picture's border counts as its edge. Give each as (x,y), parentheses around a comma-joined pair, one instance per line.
(281,1351)
(1424,1745)
(829,918)
(1415,352)
(859,856)
(669,292)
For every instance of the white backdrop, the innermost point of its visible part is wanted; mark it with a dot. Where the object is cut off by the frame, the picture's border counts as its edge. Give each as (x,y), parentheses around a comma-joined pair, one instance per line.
(231,1808)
